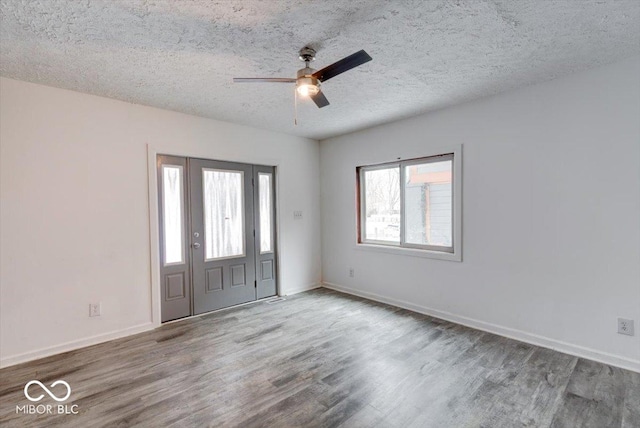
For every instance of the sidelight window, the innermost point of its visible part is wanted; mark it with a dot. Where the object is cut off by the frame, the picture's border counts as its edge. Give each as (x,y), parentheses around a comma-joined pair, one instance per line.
(172,214)
(265,212)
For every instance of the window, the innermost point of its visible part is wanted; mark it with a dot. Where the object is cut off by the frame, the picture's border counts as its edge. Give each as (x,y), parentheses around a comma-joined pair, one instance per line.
(223,197)
(172,212)
(266,208)
(381,211)
(411,204)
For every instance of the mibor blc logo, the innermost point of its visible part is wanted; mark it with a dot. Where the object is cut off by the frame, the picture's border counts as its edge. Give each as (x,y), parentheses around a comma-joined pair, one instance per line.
(47,390)
(49,409)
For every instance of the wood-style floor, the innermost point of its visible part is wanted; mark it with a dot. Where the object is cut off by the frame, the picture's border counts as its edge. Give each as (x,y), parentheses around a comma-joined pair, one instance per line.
(324,359)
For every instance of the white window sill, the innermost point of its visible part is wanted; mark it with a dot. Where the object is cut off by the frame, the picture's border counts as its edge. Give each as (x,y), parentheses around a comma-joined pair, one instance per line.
(428,254)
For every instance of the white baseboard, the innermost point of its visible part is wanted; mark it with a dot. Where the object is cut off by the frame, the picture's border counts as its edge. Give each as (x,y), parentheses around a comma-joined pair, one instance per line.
(533,339)
(76,344)
(292,291)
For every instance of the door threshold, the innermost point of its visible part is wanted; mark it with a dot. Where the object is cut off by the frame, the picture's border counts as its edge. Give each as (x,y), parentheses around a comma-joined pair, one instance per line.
(265,299)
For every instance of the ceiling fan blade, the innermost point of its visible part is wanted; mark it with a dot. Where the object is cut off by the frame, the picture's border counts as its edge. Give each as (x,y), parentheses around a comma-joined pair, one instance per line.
(345,64)
(320,99)
(263,80)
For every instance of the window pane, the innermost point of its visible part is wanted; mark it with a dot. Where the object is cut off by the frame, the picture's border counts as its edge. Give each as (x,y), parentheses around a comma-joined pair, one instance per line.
(264,194)
(428,203)
(172,214)
(223,213)
(382,204)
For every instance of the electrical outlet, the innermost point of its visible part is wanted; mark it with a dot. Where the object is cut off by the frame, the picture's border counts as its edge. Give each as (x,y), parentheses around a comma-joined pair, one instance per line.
(94,309)
(625,326)
(297,215)
(351,272)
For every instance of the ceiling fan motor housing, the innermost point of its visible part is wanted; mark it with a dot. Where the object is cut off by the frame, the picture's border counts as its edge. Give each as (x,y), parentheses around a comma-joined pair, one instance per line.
(307,54)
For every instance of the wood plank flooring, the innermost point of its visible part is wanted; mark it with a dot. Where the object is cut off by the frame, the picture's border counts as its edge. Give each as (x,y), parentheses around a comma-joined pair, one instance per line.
(323,359)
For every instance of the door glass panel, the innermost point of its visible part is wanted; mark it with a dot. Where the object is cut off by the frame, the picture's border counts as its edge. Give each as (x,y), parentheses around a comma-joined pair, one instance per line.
(266,201)
(223,196)
(172,211)
(428,203)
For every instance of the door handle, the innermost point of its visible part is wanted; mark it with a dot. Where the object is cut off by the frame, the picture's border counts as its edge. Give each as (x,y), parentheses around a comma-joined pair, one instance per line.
(196,245)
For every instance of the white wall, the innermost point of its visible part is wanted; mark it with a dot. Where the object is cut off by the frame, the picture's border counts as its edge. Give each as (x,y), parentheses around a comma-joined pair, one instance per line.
(74,217)
(551,214)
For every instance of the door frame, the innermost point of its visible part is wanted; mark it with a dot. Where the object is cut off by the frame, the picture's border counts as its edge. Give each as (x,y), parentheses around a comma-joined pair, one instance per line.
(154,213)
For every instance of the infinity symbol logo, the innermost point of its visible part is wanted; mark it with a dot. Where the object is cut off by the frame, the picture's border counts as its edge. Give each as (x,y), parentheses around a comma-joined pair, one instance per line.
(51,394)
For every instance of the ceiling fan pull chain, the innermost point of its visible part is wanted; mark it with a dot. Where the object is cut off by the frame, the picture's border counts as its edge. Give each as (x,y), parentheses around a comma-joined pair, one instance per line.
(295,107)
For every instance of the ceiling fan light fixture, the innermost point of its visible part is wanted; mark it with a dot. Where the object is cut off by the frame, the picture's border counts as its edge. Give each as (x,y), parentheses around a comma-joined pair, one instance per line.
(307,86)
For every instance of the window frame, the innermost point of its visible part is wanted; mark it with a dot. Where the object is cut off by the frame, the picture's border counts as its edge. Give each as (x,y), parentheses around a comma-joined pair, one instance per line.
(454,252)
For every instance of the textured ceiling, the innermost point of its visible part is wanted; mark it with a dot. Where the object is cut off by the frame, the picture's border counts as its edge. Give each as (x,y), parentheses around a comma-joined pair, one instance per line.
(182,55)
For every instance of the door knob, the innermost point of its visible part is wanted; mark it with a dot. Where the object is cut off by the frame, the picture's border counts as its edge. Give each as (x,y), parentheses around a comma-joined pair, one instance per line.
(196,245)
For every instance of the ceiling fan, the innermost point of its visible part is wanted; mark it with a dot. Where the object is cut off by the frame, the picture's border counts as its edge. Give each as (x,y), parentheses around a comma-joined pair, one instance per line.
(308,80)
